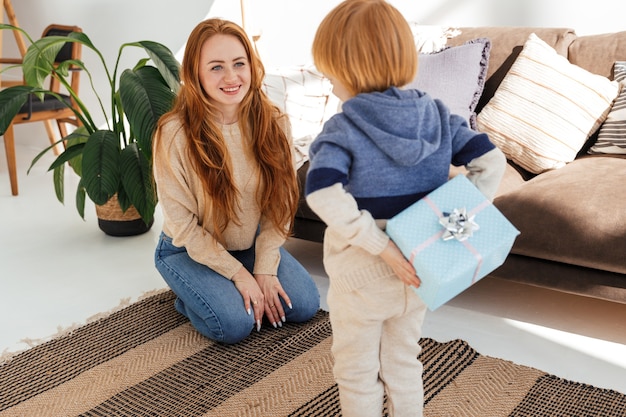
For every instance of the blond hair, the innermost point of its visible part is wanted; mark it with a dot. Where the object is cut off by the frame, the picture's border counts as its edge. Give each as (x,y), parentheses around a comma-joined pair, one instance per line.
(367,45)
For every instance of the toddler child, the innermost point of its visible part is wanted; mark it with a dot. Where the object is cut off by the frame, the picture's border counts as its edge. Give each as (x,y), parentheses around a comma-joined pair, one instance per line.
(385,150)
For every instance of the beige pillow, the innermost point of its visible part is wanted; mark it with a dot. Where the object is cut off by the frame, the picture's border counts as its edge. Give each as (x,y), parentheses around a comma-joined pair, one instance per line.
(546,108)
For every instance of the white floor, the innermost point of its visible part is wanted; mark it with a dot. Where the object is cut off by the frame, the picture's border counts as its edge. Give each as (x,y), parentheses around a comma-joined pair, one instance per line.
(58,271)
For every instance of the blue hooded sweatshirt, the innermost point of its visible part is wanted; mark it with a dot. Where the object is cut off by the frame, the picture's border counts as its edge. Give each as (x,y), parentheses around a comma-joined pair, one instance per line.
(389,149)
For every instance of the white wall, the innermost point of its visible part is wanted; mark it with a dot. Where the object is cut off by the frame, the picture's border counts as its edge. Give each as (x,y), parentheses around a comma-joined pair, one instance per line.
(109,24)
(287,27)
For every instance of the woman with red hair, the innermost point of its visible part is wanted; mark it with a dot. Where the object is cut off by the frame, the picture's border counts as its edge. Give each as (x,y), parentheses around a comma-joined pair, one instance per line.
(226,181)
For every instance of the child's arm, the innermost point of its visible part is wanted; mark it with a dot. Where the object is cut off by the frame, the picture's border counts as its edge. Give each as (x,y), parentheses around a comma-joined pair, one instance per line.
(339,210)
(400,265)
(484,161)
(486,172)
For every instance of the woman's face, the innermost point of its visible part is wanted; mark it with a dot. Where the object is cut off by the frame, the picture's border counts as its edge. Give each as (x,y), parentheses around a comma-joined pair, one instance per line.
(225,74)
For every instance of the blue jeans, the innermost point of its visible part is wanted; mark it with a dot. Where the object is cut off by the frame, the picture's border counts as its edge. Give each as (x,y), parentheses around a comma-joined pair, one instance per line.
(212,303)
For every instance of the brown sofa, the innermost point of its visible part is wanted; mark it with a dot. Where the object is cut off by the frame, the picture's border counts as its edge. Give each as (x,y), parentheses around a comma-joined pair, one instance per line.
(572,219)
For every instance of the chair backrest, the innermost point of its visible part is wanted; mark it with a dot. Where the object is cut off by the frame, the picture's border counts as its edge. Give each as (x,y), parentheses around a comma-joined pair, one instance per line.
(71,50)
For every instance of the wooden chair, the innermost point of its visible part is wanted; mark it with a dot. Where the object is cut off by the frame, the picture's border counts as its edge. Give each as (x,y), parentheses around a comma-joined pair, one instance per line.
(7,7)
(50,109)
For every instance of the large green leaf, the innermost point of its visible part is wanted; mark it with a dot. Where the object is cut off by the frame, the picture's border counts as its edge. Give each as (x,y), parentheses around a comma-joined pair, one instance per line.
(145,98)
(78,136)
(165,62)
(73,154)
(80,199)
(11,101)
(123,199)
(58,178)
(38,62)
(69,154)
(136,173)
(101,166)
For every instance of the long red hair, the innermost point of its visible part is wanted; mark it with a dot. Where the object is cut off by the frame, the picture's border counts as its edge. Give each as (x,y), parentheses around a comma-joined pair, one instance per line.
(259,120)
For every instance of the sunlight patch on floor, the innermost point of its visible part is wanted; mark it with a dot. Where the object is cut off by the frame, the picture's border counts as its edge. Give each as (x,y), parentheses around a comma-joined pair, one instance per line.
(613,353)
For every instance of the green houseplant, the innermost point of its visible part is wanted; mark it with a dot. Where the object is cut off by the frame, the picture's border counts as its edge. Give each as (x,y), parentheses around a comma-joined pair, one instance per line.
(115,161)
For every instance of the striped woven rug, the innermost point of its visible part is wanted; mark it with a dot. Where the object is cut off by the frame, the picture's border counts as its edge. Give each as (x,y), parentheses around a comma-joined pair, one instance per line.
(146,360)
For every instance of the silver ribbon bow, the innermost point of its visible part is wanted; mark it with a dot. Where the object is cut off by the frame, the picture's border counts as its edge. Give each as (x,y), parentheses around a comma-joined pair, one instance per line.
(458,225)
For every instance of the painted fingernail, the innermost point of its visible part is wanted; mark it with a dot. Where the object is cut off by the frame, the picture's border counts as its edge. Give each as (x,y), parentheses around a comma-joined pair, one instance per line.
(284,319)
(249,311)
(275,325)
(290,306)
(280,324)
(258,325)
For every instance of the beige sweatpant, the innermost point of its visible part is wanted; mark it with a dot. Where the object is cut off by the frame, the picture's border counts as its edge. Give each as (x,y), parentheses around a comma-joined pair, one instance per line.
(376,332)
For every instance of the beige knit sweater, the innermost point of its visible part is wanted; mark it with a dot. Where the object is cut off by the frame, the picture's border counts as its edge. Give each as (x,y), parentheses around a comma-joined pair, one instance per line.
(182,202)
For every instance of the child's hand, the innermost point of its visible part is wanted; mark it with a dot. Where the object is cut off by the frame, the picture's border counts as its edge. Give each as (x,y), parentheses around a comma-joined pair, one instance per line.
(400,265)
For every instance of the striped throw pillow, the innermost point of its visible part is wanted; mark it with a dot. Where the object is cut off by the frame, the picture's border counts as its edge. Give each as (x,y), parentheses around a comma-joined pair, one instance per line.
(612,136)
(304,94)
(545,108)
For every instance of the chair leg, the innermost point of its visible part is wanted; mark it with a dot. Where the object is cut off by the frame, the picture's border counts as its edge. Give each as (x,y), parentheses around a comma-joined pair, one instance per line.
(52,135)
(9,146)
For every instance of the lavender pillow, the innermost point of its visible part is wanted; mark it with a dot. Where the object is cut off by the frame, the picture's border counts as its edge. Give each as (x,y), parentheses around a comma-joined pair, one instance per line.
(456,75)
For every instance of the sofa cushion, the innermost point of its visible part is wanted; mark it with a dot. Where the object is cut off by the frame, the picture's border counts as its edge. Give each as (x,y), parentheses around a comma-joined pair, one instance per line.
(572,215)
(506,45)
(456,76)
(597,53)
(512,179)
(545,108)
(612,135)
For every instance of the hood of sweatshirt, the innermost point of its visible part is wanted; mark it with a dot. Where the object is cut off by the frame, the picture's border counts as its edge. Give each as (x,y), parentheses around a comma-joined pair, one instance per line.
(404,124)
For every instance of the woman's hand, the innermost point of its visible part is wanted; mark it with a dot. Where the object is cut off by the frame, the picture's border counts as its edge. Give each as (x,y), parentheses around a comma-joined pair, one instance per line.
(273,291)
(253,298)
(400,265)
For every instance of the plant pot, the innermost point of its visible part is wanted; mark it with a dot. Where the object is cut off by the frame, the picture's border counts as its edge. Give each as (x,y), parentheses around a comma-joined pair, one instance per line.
(114,222)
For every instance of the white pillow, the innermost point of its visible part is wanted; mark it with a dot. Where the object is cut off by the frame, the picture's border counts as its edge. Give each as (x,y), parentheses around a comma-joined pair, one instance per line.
(432,38)
(545,108)
(304,94)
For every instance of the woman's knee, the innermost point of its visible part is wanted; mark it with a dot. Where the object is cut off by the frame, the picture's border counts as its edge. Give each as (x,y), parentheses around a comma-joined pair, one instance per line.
(304,306)
(300,287)
(231,327)
(236,331)
(232,336)
(223,331)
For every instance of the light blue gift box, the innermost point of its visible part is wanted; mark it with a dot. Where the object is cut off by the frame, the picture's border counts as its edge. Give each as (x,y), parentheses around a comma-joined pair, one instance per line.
(448,267)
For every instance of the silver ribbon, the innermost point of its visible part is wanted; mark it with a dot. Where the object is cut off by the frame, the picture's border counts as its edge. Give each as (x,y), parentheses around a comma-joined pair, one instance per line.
(458,225)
